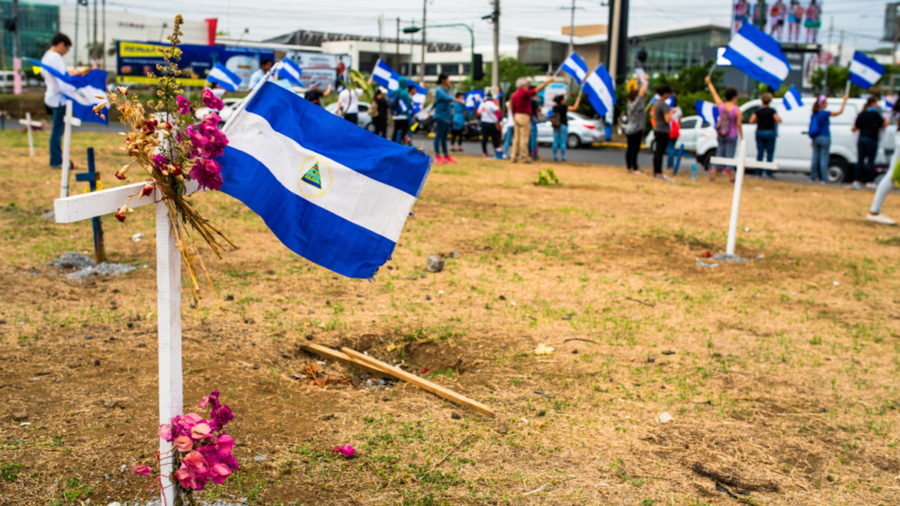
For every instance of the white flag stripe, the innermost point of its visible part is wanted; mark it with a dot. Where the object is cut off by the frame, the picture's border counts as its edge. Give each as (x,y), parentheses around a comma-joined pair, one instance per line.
(762,59)
(84,96)
(380,208)
(222,76)
(594,81)
(864,71)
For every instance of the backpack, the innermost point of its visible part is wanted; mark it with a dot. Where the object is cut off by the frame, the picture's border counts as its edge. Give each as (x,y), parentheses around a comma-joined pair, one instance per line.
(815,127)
(394,104)
(556,121)
(674,129)
(373,109)
(723,126)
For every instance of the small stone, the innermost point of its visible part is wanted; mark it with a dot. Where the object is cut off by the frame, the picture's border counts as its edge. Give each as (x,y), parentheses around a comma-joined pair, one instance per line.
(428,297)
(829,478)
(229,297)
(20,416)
(259,458)
(97,362)
(114,403)
(434,263)
(141,345)
(502,297)
(503,429)
(455,254)
(668,352)
(542,413)
(456,416)
(651,359)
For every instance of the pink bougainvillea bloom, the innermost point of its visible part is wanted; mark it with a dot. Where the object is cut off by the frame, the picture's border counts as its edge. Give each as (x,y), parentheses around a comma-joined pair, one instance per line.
(190,478)
(224,445)
(160,161)
(221,416)
(182,425)
(141,470)
(347,451)
(218,473)
(184,105)
(210,400)
(200,431)
(212,101)
(183,444)
(209,174)
(165,431)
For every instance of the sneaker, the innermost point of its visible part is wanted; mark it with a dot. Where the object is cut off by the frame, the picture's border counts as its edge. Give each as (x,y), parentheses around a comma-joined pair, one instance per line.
(881,219)
(564,159)
(555,159)
(855,186)
(440,159)
(449,160)
(871,185)
(484,155)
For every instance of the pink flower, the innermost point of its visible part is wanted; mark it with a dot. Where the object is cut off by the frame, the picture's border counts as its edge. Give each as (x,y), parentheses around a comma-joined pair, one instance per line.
(209,174)
(165,431)
(147,190)
(160,161)
(211,100)
(184,105)
(224,445)
(211,399)
(141,470)
(183,444)
(347,451)
(200,431)
(182,425)
(218,472)
(221,416)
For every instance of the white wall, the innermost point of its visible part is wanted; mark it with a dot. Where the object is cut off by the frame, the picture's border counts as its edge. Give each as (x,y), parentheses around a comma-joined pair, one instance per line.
(122,26)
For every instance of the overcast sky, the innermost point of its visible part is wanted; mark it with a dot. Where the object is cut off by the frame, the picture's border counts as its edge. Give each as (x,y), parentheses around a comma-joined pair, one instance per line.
(861,20)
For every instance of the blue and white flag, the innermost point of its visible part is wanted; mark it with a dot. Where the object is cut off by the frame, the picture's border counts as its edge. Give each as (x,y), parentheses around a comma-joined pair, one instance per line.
(708,111)
(384,75)
(598,87)
(289,71)
(575,67)
(792,99)
(474,99)
(332,192)
(669,101)
(864,71)
(758,55)
(84,91)
(223,77)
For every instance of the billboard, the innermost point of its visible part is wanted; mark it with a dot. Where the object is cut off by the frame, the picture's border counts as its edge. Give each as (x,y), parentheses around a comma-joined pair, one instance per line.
(792,21)
(134,59)
(319,68)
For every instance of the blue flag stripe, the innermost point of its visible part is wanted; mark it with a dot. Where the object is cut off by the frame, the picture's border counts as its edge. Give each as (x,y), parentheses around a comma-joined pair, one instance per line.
(306,229)
(318,130)
(94,83)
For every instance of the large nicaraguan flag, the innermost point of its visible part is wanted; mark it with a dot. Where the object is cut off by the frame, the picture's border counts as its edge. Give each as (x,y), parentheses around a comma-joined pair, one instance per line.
(223,77)
(864,71)
(758,55)
(85,91)
(332,192)
(575,67)
(792,99)
(598,87)
(708,111)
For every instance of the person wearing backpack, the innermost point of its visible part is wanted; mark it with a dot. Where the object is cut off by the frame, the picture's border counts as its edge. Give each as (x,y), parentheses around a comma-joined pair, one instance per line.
(559,120)
(401,106)
(728,128)
(674,133)
(820,133)
(766,120)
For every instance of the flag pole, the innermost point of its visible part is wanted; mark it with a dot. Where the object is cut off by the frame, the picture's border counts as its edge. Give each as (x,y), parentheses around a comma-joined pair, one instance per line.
(246,100)
(712,69)
(847,89)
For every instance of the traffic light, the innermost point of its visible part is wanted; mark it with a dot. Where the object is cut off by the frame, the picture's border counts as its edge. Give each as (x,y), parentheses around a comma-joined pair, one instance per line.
(478,67)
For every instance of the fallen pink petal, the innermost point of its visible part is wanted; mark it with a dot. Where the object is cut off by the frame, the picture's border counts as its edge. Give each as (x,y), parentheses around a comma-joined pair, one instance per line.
(347,451)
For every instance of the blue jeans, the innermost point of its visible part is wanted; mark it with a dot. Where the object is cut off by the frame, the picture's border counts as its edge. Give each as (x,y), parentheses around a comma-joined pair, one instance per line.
(865,166)
(441,128)
(765,147)
(559,140)
(725,149)
(532,140)
(821,150)
(508,139)
(56,134)
(671,149)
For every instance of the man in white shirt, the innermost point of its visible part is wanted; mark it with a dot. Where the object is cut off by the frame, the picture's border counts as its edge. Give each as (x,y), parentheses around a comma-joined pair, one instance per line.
(348,104)
(489,112)
(264,65)
(53,98)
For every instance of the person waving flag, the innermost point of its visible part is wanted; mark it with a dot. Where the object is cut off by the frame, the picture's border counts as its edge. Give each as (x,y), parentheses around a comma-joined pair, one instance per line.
(758,55)
(792,99)
(225,78)
(289,71)
(864,71)
(575,67)
(708,111)
(85,91)
(332,192)
(598,87)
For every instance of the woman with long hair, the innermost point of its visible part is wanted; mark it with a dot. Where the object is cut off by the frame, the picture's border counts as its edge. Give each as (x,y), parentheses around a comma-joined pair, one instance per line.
(636,121)
(820,133)
(729,128)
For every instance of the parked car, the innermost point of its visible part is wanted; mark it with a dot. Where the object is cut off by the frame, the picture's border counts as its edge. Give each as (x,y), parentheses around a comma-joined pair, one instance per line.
(793,149)
(231,104)
(363,119)
(582,131)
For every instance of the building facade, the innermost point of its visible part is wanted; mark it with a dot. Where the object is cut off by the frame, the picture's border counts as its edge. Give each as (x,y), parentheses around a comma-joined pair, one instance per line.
(37,25)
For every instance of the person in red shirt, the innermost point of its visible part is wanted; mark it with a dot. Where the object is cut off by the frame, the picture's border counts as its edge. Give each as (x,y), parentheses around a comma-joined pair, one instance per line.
(521,109)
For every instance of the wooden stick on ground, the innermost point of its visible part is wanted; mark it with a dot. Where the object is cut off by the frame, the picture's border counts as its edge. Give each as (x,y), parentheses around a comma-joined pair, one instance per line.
(422,383)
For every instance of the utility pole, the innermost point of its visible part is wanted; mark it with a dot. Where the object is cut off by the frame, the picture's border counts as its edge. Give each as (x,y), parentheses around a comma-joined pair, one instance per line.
(495,66)
(94,44)
(572,29)
(424,22)
(16,49)
(618,39)
(380,40)
(894,52)
(103,47)
(840,48)
(397,51)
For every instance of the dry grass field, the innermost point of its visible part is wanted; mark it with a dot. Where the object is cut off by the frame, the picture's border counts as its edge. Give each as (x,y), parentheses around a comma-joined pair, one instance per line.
(781,375)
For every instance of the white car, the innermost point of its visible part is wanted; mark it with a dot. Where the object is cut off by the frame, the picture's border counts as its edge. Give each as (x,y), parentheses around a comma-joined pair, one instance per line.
(363,119)
(231,104)
(582,131)
(793,148)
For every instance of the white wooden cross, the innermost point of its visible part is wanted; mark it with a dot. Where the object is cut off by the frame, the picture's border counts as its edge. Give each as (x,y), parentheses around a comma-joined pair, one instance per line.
(168,285)
(69,122)
(739,162)
(28,126)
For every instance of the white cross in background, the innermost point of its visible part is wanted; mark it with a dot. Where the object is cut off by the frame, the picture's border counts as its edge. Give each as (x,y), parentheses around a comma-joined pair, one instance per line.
(69,122)
(168,296)
(740,162)
(28,126)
